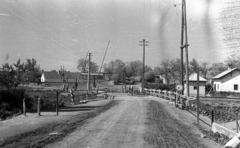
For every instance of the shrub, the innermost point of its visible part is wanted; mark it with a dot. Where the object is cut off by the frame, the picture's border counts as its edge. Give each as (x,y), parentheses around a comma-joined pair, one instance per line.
(10,102)
(160,86)
(150,76)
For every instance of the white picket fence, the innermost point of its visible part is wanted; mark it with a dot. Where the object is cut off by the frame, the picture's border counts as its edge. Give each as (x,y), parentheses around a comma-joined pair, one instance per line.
(178,99)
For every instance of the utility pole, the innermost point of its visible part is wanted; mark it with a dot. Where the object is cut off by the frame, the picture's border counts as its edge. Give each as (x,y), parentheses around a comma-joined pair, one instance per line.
(143,43)
(61,73)
(124,80)
(181,47)
(198,97)
(89,69)
(186,47)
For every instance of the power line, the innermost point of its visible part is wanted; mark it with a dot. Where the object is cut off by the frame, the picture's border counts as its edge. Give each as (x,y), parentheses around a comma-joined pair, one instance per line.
(40,20)
(37,30)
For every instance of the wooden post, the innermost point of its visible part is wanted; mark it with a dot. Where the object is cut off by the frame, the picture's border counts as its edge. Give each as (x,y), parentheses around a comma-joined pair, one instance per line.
(97,89)
(212,116)
(57,104)
(89,74)
(39,106)
(175,94)
(24,107)
(198,97)
(237,122)
(132,90)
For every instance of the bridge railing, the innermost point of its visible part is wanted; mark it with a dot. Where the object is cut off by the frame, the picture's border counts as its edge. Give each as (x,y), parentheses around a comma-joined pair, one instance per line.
(176,98)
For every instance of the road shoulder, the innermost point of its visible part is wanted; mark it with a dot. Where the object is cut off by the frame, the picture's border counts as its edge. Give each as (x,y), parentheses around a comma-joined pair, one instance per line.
(187,119)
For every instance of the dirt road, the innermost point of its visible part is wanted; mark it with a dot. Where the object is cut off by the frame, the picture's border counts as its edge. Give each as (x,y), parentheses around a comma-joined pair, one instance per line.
(137,122)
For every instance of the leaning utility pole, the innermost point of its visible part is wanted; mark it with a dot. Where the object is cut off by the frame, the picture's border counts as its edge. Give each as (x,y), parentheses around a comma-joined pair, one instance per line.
(89,69)
(186,47)
(143,43)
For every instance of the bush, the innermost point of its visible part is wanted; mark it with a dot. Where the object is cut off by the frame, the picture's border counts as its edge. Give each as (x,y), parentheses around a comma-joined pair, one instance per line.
(150,76)
(167,87)
(10,102)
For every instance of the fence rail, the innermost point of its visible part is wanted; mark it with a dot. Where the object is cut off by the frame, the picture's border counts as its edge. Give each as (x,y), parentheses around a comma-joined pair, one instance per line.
(217,114)
(179,99)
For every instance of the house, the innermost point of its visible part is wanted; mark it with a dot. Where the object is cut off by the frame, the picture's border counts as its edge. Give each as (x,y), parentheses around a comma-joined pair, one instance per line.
(92,75)
(54,77)
(228,80)
(193,85)
(50,76)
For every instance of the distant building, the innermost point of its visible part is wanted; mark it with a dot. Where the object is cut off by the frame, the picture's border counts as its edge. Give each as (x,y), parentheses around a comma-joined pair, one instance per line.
(163,79)
(55,77)
(93,75)
(193,85)
(228,80)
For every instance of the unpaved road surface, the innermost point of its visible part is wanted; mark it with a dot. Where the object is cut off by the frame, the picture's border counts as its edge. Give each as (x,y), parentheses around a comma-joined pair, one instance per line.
(128,122)
(137,122)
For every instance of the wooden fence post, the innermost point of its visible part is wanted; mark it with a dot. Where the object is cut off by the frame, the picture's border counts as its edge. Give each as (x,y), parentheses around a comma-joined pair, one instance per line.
(57,104)
(24,107)
(39,106)
(132,90)
(175,95)
(212,116)
(237,122)
(170,96)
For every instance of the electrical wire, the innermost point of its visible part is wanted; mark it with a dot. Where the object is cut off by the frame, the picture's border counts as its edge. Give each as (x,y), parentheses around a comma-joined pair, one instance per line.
(35,29)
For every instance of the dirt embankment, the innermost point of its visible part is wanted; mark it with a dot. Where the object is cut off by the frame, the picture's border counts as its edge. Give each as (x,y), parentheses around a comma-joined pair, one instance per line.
(40,136)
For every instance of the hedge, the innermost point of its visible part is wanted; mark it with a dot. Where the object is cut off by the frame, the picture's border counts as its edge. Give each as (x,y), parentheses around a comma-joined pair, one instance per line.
(167,87)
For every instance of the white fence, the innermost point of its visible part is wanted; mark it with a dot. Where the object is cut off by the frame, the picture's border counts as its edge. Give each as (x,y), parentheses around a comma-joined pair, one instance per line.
(178,99)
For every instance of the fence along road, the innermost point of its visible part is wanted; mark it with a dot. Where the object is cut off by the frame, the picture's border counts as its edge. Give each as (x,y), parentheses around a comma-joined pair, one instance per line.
(143,121)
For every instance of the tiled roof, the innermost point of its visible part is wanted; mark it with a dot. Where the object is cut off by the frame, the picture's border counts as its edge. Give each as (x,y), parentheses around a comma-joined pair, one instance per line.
(224,73)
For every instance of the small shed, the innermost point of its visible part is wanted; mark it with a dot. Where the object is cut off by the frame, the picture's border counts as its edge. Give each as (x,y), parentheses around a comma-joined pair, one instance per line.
(193,85)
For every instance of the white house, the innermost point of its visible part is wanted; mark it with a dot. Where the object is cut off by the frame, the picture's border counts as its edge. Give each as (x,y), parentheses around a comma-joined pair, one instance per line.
(193,85)
(228,80)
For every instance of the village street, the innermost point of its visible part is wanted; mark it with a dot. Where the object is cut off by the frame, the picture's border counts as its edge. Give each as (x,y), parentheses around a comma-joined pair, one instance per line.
(138,122)
(132,121)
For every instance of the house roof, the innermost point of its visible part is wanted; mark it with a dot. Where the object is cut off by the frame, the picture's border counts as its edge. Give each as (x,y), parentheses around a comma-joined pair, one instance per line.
(92,74)
(224,73)
(51,75)
(193,77)
(72,75)
(55,75)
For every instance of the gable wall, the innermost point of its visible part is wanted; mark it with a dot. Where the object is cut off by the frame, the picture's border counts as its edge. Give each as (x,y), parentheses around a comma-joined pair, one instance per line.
(227,82)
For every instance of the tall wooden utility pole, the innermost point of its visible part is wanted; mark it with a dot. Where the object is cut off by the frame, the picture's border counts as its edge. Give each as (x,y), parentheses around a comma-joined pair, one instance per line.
(186,47)
(198,97)
(89,70)
(124,80)
(181,47)
(143,43)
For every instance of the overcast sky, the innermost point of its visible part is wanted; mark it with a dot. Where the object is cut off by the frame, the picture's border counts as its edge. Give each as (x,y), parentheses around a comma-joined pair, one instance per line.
(59,32)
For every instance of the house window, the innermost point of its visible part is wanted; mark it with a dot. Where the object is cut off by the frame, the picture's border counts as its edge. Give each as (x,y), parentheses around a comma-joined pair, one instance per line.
(217,86)
(194,87)
(235,87)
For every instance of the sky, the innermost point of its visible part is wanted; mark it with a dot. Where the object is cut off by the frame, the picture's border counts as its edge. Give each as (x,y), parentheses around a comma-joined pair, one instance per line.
(60,32)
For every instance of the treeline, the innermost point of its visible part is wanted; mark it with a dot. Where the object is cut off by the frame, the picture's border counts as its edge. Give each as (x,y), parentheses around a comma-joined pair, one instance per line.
(117,69)
(18,73)
(170,69)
